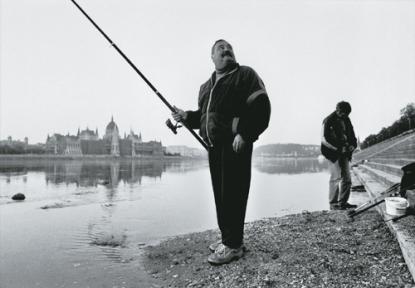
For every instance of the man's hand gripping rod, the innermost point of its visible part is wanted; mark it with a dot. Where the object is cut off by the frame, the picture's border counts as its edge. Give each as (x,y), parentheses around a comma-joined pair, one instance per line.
(172,109)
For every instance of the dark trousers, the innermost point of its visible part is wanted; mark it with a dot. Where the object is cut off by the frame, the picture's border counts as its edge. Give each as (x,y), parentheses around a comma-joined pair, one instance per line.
(231,178)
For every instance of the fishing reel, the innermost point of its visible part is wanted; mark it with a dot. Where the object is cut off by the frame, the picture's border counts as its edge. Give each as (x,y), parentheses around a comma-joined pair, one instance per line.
(173,127)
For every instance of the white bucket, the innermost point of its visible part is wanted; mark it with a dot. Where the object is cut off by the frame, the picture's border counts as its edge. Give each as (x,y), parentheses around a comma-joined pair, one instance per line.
(396,206)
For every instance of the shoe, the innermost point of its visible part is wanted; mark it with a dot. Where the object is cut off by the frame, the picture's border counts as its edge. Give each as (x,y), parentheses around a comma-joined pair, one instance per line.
(348,206)
(225,255)
(337,207)
(214,246)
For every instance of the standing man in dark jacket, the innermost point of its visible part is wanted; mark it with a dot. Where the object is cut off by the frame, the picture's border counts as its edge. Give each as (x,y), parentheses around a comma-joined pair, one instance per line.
(234,110)
(338,142)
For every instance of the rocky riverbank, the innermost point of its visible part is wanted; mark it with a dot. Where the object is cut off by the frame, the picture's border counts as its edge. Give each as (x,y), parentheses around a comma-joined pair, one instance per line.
(319,249)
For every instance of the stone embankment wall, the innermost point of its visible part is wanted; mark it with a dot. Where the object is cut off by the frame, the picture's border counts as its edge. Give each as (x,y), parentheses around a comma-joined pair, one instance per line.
(378,167)
(384,160)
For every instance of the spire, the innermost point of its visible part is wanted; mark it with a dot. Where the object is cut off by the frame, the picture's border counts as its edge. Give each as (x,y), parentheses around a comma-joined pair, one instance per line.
(112,118)
(79,132)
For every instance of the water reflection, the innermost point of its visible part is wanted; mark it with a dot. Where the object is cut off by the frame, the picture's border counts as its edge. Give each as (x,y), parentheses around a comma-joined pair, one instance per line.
(108,173)
(289,165)
(110,207)
(94,173)
(90,173)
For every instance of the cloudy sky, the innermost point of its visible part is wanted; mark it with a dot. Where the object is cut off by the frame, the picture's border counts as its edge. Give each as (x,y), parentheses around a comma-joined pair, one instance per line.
(57,73)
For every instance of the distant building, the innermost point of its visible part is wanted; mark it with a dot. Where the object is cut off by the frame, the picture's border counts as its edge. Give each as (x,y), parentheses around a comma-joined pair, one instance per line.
(10,146)
(88,134)
(135,142)
(10,142)
(87,142)
(112,138)
(60,144)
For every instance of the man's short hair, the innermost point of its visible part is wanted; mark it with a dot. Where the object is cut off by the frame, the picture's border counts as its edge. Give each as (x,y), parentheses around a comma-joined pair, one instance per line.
(344,106)
(214,44)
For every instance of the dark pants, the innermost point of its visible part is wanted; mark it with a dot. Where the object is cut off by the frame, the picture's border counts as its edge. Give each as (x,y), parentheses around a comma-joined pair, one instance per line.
(231,178)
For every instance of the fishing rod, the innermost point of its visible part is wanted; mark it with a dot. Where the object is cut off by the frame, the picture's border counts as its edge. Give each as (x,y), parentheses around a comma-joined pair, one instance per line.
(169,124)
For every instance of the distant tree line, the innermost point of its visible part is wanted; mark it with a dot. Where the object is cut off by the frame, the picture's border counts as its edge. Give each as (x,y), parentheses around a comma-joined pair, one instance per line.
(19,149)
(288,150)
(405,123)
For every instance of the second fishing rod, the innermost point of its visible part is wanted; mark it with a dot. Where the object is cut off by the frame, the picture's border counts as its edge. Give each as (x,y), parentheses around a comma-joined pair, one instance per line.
(172,108)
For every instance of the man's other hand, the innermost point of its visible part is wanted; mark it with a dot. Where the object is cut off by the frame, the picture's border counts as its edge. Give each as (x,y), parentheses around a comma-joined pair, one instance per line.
(179,115)
(238,143)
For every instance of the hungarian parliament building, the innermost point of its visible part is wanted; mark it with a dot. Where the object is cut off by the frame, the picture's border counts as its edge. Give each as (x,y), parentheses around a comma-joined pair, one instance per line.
(87,142)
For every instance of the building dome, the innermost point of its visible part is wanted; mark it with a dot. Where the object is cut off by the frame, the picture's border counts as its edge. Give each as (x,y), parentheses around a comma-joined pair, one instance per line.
(111,127)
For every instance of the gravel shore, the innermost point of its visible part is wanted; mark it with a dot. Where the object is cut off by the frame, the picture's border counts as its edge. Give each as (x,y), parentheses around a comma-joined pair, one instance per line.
(319,249)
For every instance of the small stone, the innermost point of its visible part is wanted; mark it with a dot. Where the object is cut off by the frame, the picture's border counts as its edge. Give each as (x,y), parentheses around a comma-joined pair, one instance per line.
(18,197)
(275,256)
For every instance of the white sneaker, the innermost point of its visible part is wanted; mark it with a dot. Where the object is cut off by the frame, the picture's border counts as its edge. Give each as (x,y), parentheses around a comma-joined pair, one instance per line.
(214,246)
(224,254)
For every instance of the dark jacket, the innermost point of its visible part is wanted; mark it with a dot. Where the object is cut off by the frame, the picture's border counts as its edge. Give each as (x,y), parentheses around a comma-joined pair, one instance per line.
(237,103)
(337,135)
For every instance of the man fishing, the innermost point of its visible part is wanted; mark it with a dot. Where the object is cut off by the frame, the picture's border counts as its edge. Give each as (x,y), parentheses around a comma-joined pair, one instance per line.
(233,111)
(338,142)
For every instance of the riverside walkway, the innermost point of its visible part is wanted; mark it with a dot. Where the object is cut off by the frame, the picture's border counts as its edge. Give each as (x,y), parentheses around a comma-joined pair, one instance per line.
(378,167)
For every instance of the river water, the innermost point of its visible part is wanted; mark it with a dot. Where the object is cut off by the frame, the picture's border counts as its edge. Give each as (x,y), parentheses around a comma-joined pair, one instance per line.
(59,236)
